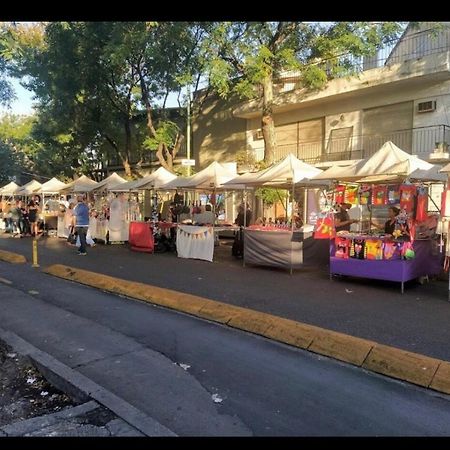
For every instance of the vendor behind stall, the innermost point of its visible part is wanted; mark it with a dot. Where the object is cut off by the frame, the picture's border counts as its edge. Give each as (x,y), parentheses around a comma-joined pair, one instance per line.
(342,219)
(395,225)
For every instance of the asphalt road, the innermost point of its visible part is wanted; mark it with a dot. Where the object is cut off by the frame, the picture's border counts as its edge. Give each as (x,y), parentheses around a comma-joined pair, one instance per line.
(416,321)
(202,379)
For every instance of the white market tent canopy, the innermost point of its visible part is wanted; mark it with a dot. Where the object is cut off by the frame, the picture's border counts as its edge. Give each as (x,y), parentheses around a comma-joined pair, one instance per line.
(211,177)
(242,181)
(446,168)
(127,186)
(108,183)
(178,182)
(287,172)
(29,188)
(154,180)
(388,163)
(82,184)
(52,186)
(10,189)
(157,179)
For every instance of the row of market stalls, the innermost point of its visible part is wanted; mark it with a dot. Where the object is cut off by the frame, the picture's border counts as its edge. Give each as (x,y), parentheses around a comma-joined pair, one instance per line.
(371,185)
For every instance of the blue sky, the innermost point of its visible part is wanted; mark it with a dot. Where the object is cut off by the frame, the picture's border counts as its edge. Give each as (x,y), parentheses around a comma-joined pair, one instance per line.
(24,101)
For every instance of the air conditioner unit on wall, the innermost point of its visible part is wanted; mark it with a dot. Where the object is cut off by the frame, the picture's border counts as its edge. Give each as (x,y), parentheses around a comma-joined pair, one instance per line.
(429,106)
(258,134)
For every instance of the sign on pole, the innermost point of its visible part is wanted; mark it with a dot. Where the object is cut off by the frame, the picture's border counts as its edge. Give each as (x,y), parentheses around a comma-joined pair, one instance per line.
(188,162)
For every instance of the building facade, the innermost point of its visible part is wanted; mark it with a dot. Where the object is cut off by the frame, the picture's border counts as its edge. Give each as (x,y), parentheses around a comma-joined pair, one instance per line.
(402,95)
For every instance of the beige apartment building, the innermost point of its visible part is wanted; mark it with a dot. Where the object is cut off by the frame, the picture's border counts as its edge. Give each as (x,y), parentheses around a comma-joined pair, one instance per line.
(402,94)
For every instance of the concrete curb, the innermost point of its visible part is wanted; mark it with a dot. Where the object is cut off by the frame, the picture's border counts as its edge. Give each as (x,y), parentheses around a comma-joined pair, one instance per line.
(36,423)
(82,388)
(14,258)
(393,362)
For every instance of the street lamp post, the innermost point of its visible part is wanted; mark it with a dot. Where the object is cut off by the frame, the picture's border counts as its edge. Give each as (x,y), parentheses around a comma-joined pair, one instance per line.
(188,129)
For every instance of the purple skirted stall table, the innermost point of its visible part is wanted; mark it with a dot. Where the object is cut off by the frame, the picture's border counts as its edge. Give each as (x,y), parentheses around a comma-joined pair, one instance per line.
(428,261)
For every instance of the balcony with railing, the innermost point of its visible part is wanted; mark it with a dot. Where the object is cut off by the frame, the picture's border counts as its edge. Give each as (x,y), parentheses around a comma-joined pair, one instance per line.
(410,47)
(417,141)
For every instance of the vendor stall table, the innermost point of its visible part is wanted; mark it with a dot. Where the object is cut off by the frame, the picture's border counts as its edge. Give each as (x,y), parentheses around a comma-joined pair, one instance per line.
(141,237)
(427,261)
(195,242)
(283,248)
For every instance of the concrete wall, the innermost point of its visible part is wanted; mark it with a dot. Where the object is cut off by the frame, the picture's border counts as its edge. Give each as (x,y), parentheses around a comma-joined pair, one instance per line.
(441,116)
(344,120)
(217,134)
(348,112)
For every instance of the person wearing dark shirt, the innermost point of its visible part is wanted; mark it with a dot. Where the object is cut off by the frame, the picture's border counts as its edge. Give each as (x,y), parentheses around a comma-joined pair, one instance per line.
(389,225)
(392,224)
(241,218)
(342,219)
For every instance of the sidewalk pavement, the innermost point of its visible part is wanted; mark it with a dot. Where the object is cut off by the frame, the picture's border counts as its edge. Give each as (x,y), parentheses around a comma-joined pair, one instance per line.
(368,309)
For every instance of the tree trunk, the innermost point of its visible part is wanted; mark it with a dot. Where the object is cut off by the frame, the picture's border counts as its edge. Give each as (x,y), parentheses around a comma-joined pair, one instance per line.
(127,138)
(160,155)
(127,167)
(268,126)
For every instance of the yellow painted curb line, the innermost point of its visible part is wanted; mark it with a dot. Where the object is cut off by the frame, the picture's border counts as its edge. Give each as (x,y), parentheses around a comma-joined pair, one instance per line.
(414,368)
(408,366)
(341,346)
(441,381)
(14,258)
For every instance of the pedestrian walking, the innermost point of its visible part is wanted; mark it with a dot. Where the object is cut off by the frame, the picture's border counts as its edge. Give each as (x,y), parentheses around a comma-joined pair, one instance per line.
(81,222)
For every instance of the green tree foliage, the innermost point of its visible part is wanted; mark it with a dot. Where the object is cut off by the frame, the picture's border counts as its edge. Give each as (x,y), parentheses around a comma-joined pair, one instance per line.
(270,196)
(248,57)
(100,86)
(18,147)
(10,164)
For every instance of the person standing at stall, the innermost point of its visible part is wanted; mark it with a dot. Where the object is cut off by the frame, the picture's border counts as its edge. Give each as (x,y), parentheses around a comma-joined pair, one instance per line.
(81,222)
(33,211)
(342,219)
(393,223)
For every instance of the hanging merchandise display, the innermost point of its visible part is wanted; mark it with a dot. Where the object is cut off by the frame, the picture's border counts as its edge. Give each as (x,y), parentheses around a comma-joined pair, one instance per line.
(391,250)
(357,248)
(374,249)
(339,195)
(342,247)
(324,228)
(351,194)
(393,194)
(445,203)
(422,204)
(379,195)
(407,195)
(365,191)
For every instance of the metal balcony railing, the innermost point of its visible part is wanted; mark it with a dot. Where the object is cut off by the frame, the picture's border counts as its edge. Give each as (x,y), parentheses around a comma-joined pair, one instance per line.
(417,141)
(413,46)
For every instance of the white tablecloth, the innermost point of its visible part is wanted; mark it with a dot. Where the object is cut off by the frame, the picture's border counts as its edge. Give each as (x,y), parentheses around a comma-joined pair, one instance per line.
(195,242)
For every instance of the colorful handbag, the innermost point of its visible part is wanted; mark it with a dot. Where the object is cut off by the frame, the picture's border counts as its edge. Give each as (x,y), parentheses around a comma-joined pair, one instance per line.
(393,194)
(379,195)
(365,191)
(324,228)
(374,249)
(342,247)
(407,193)
(339,194)
(357,249)
(351,194)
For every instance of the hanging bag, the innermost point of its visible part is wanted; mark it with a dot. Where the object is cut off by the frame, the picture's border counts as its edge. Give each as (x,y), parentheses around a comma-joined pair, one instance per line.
(324,228)
(72,238)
